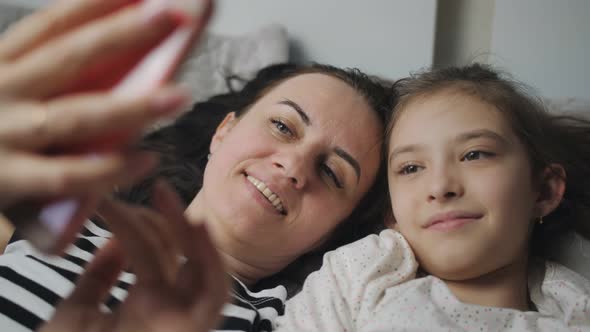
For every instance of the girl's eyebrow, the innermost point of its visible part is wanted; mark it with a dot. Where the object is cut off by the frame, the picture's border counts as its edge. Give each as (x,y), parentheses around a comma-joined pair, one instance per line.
(463,137)
(404,149)
(481,133)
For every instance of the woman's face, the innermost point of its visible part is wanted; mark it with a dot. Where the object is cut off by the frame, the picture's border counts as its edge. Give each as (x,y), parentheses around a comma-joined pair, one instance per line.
(284,174)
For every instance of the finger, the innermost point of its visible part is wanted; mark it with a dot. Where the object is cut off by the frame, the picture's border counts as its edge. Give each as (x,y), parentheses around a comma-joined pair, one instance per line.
(100,275)
(52,21)
(212,292)
(142,247)
(157,228)
(203,276)
(80,310)
(86,205)
(166,201)
(25,176)
(76,120)
(102,50)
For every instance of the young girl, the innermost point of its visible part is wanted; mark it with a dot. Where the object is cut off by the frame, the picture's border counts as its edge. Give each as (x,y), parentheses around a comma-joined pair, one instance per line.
(481,180)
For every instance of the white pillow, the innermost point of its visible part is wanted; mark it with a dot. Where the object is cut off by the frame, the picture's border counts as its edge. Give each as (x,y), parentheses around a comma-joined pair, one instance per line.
(573,251)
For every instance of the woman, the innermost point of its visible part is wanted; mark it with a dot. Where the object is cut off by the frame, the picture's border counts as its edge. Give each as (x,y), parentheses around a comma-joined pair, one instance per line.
(289,174)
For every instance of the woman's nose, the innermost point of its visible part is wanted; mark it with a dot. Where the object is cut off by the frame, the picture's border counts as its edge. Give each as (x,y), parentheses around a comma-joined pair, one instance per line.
(294,169)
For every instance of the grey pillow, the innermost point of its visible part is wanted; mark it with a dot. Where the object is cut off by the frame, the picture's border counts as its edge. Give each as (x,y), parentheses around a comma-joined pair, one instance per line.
(219,57)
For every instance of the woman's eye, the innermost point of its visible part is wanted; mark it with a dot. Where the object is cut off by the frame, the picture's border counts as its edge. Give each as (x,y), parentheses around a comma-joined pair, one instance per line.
(282,127)
(328,171)
(409,169)
(475,155)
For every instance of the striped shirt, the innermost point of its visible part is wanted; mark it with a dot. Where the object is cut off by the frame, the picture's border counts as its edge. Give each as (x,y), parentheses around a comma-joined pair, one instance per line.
(32,284)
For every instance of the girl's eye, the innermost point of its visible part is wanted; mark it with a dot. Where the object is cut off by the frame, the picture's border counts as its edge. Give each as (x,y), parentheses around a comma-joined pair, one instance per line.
(409,169)
(282,127)
(328,171)
(475,155)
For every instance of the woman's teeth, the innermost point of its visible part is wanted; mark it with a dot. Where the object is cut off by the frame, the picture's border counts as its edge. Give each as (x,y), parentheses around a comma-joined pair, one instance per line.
(272,197)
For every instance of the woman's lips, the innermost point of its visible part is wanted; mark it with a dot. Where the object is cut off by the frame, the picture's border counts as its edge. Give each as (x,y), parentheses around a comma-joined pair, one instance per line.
(261,199)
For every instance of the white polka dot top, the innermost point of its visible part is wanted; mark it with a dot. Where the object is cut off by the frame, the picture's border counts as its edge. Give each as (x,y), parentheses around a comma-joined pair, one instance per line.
(370,285)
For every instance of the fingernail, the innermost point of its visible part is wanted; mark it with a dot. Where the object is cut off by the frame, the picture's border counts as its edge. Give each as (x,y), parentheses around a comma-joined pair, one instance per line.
(56,216)
(171,100)
(155,10)
(183,12)
(189,10)
(95,157)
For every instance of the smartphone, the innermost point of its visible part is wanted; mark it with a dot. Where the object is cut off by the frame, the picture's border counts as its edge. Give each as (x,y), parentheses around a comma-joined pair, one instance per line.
(45,226)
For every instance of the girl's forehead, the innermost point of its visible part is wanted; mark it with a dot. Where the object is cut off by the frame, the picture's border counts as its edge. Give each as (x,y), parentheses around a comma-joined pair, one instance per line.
(446,113)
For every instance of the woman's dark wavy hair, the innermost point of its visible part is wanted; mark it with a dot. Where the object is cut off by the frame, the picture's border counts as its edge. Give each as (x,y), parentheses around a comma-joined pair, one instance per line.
(183,148)
(549,138)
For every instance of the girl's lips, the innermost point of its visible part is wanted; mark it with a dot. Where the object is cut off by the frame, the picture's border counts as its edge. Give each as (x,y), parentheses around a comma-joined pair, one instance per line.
(451,220)
(451,224)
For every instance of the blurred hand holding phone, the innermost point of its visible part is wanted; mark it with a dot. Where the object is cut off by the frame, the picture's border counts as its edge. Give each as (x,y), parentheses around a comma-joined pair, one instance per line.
(51,225)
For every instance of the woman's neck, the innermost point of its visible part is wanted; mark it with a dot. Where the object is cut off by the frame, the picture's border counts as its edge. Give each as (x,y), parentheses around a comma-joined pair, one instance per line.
(506,287)
(240,258)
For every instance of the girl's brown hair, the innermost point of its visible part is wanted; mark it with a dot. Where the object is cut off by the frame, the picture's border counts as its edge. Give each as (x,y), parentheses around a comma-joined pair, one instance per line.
(548,138)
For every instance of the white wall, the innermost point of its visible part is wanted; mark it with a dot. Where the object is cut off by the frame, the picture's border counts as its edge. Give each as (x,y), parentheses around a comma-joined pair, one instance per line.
(463,31)
(545,43)
(385,37)
(389,38)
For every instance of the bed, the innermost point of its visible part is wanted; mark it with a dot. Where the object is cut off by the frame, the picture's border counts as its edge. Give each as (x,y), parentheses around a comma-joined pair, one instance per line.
(239,45)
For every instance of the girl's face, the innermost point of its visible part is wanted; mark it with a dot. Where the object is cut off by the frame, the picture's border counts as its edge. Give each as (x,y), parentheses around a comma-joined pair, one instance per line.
(461,186)
(284,174)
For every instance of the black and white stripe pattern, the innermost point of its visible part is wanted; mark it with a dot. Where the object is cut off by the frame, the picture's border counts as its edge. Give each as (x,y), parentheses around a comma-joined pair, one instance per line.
(31,285)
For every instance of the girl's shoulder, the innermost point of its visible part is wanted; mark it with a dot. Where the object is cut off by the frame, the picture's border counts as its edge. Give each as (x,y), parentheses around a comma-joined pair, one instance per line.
(388,251)
(556,273)
(559,291)
(387,242)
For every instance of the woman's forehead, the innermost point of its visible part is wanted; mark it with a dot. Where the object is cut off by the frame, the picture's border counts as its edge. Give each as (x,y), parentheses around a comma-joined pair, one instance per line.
(316,88)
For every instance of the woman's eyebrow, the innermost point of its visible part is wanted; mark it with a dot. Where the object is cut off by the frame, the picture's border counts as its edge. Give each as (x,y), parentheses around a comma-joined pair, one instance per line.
(298,109)
(350,160)
(337,150)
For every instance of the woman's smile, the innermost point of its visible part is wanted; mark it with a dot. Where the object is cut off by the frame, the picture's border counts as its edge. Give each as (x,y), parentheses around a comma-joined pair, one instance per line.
(269,196)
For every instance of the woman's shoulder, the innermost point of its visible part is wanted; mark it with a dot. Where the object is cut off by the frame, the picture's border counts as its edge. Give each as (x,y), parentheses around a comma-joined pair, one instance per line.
(253,310)
(91,236)
(241,290)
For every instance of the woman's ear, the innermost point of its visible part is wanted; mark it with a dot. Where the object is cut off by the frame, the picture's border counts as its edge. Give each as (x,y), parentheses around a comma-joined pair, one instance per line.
(222,129)
(552,188)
